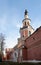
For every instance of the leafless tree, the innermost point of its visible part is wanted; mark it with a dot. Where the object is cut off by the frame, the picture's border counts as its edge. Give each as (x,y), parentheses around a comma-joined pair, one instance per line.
(2,38)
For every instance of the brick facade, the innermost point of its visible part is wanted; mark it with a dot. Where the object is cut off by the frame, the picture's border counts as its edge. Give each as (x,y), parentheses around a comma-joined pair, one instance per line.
(30,39)
(33,44)
(24,54)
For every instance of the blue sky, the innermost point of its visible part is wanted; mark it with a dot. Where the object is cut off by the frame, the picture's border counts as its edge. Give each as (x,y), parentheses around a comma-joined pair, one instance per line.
(12,14)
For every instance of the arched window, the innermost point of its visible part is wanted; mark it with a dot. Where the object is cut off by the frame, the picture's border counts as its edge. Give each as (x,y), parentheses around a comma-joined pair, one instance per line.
(25,23)
(29,33)
(28,22)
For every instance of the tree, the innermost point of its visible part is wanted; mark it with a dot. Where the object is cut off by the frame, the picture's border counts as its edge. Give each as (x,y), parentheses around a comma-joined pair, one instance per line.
(2,38)
(1,41)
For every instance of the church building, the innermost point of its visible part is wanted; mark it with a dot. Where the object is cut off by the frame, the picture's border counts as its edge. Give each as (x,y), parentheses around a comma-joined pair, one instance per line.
(29,42)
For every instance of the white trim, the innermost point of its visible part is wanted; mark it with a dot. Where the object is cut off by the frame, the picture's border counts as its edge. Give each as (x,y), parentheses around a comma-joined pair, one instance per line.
(32,61)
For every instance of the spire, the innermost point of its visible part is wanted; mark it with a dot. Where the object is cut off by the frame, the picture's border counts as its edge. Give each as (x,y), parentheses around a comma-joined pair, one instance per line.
(26,12)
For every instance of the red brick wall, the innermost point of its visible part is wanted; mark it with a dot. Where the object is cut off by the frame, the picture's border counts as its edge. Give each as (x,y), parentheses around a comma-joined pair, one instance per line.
(33,38)
(24,54)
(33,44)
(34,53)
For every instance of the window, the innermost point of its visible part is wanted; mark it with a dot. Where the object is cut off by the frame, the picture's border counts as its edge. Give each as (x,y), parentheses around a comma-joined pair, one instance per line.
(25,23)
(28,22)
(29,33)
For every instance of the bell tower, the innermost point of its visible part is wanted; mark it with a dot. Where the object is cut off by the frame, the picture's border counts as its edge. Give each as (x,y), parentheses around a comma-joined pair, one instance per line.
(26,20)
(26,29)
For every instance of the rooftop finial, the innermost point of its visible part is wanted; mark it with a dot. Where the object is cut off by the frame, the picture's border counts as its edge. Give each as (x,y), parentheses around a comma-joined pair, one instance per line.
(26,12)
